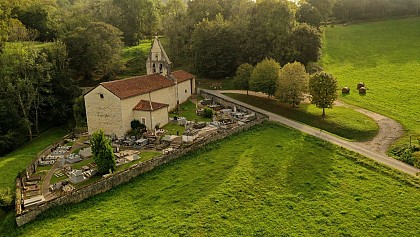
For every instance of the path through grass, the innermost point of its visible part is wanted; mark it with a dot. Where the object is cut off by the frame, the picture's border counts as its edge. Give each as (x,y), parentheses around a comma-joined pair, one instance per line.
(384,55)
(341,121)
(271,181)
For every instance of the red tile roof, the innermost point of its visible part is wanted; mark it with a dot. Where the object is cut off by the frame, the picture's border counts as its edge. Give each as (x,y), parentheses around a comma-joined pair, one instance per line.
(133,86)
(144,105)
(182,75)
(129,87)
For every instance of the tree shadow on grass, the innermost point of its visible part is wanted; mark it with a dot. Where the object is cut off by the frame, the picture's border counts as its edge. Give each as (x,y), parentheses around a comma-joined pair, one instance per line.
(307,173)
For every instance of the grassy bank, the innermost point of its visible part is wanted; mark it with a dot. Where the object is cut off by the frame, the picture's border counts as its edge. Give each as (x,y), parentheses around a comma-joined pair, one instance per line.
(341,121)
(267,181)
(384,55)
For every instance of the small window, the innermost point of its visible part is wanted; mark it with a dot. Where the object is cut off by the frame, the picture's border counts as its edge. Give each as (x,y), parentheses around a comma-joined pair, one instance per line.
(101,95)
(160,68)
(154,68)
(143,121)
(185,91)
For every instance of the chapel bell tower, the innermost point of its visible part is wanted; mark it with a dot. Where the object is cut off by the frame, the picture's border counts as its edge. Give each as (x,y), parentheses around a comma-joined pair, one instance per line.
(158,61)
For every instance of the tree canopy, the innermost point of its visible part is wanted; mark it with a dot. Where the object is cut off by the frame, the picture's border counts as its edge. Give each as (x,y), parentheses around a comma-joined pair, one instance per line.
(323,90)
(102,152)
(243,76)
(214,48)
(292,83)
(95,49)
(264,76)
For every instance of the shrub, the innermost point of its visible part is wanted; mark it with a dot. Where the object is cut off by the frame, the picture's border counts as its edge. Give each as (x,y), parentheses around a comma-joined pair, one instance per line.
(6,197)
(208,113)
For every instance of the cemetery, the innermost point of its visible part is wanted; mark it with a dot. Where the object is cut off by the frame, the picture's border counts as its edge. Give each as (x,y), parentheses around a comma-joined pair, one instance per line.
(68,168)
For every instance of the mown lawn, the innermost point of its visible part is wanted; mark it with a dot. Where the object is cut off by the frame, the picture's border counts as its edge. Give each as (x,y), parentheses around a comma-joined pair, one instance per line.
(384,55)
(270,181)
(187,110)
(12,163)
(341,121)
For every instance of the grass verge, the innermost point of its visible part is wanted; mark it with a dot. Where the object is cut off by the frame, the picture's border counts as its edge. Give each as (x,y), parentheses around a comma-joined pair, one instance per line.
(341,121)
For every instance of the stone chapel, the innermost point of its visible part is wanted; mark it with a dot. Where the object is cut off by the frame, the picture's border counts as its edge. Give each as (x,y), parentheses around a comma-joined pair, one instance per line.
(111,106)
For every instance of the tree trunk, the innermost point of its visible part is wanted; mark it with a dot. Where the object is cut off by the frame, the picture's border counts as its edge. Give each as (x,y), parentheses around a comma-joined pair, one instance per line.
(247,92)
(36,121)
(323,112)
(25,117)
(36,115)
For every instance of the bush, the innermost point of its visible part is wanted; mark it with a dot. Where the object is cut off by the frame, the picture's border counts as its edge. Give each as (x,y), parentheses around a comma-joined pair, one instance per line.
(407,154)
(416,157)
(208,113)
(6,197)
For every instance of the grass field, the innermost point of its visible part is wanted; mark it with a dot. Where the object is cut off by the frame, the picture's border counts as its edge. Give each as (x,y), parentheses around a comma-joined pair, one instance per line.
(12,163)
(341,121)
(270,181)
(384,55)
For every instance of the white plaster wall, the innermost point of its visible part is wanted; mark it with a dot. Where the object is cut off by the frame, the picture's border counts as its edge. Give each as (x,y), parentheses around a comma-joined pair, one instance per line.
(184,91)
(127,106)
(103,113)
(158,117)
(165,96)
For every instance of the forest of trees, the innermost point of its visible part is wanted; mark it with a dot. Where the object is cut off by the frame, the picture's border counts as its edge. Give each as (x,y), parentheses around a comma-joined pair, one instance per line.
(45,45)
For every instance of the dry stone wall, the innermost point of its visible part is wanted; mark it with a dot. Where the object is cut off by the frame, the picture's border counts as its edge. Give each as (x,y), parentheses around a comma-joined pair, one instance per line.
(105,184)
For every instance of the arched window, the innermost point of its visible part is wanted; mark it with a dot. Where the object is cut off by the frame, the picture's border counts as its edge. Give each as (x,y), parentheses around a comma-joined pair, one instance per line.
(154,67)
(160,67)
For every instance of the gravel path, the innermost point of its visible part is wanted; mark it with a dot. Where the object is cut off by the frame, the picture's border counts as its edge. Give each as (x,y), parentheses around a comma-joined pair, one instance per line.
(389,131)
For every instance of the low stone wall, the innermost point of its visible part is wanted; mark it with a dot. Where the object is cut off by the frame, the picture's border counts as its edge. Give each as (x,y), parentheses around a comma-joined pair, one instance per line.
(106,184)
(229,104)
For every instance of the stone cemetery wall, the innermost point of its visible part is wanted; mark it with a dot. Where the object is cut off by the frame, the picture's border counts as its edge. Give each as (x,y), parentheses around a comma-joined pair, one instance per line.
(105,184)
(229,104)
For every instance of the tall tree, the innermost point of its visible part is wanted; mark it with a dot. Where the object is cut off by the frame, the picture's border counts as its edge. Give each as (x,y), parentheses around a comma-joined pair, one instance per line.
(243,76)
(19,76)
(203,9)
(6,8)
(323,90)
(138,19)
(269,29)
(41,78)
(214,47)
(102,152)
(306,43)
(178,29)
(264,77)
(324,7)
(95,50)
(306,13)
(292,84)
(63,88)
(38,17)
(79,111)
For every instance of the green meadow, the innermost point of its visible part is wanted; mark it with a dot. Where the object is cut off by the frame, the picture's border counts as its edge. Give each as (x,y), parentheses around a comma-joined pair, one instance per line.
(268,181)
(385,56)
